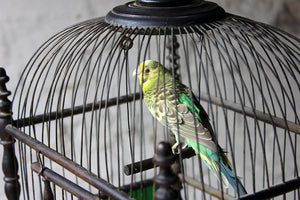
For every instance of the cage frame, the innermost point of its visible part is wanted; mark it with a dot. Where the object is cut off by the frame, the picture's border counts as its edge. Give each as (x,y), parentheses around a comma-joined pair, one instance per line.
(9,134)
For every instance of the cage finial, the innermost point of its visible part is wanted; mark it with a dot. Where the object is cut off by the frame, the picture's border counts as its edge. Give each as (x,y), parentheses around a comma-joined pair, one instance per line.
(9,162)
(166,177)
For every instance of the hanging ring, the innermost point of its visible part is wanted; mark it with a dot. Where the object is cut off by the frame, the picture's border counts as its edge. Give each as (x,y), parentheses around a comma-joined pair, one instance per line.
(126,43)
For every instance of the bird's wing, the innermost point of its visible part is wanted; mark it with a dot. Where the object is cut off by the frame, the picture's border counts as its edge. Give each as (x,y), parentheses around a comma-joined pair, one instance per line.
(189,126)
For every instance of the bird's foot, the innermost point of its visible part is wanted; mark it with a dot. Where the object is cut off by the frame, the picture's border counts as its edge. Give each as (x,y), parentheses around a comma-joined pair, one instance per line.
(176,150)
(185,146)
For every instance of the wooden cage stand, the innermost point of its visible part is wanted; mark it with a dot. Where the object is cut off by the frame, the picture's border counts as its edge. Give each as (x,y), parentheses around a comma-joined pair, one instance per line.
(9,160)
(166,178)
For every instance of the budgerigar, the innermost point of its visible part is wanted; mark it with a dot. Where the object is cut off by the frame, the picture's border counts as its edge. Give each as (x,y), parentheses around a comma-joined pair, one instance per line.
(189,116)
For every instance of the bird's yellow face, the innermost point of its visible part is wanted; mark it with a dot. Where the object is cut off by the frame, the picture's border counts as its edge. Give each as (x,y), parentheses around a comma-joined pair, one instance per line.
(149,72)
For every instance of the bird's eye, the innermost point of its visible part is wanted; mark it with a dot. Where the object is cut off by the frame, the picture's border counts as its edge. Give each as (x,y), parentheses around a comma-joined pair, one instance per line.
(147,70)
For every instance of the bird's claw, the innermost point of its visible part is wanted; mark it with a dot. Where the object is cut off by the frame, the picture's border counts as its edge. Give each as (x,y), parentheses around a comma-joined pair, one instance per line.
(176,150)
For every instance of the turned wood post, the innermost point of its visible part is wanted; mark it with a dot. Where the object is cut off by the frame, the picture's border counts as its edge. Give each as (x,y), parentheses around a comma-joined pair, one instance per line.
(9,161)
(166,179)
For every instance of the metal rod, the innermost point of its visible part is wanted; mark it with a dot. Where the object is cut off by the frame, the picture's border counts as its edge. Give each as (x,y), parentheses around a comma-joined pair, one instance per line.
(274,190)
(207,189)
(279,122)
(148,163)
(74,111)
(62,182)
(74,168)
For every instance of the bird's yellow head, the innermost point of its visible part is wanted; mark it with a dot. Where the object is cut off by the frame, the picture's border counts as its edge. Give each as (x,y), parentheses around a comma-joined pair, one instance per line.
(150,73)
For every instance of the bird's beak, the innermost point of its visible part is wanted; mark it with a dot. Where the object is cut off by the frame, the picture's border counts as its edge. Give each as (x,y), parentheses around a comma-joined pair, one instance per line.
(136,72)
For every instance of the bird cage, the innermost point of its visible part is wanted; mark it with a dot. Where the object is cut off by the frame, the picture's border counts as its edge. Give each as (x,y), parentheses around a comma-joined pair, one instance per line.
(83,130)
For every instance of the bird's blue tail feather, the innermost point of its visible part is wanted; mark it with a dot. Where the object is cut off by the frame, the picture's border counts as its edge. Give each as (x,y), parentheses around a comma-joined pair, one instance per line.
(233,180)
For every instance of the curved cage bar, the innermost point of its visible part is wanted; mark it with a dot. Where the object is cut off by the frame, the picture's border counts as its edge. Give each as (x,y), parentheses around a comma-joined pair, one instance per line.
(78,98)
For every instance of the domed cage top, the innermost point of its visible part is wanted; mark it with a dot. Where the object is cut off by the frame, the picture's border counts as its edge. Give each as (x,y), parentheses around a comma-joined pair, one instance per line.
(81,123)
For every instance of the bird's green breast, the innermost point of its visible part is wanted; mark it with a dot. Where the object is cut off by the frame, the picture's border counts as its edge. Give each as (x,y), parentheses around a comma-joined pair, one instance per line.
(160,99)
(158,96)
